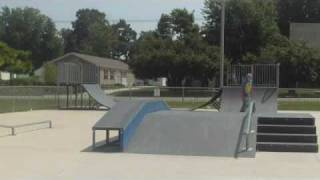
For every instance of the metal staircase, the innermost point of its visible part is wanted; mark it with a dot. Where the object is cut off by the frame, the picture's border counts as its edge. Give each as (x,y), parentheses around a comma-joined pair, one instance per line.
(287,134)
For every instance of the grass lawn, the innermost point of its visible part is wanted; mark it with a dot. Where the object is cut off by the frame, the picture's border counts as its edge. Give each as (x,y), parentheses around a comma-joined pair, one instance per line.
(149,92)
(300,93)
(300,105)
(8,105)
(292,105)
(180,104)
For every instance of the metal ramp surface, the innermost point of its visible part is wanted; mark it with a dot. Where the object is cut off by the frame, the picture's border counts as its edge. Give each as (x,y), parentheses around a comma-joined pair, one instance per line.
(126,116)
(265,99)
(98,95)
(190,133)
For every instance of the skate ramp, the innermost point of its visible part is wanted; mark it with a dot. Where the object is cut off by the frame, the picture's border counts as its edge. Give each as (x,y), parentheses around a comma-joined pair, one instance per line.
(265,99)
(98,95)
(126,116)
(190,133)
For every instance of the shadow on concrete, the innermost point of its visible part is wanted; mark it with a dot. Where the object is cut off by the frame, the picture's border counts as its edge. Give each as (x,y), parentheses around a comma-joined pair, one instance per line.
(101,147)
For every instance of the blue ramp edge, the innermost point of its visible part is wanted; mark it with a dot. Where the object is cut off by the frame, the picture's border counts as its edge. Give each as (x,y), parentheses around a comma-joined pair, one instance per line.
(146,108)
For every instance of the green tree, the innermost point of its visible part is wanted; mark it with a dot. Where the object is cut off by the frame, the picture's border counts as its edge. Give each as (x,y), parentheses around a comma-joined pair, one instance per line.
(177,24)
(125,36)
(14,61)
(183,57)
(164,28)
(50,73)
(299,63)
(27,29)
(249,25)
(306,11)
(69,40)
(182,22)
(91,34)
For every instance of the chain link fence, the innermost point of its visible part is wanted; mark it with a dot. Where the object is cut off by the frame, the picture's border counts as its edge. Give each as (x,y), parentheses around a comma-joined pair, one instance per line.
(26,98)
(182,97)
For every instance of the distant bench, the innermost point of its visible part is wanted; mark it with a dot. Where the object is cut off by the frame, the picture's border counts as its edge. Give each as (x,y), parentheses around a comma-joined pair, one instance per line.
(14,127)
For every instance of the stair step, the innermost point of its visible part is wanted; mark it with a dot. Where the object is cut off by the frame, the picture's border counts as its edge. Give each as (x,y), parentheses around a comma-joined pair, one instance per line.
(284,137)
(287,147)
(286,121)
(287,129)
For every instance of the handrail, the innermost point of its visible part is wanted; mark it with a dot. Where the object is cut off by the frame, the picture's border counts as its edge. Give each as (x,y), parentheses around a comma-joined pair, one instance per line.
(246,130)
(248,120)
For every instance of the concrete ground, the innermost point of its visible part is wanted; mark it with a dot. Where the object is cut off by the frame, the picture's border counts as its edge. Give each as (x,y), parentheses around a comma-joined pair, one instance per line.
(61,153)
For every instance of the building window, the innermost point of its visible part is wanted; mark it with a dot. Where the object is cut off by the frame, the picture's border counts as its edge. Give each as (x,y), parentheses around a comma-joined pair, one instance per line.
(105,74)
(124,74)
(111,74)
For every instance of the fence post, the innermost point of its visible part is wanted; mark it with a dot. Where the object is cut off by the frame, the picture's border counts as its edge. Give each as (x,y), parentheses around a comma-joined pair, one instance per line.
(130,93)
(13,99)
(50,124)
(278,75)
(13,132)
(57,99)
(28,96)
(182,93)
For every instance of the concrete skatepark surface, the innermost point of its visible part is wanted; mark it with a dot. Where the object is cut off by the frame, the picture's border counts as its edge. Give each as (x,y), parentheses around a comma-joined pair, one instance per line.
(190,133)
(265,99)
(60,153)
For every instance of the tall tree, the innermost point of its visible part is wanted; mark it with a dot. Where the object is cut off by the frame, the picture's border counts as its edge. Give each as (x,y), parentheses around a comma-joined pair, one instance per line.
(28,29)
(299,63)
(69,40)
(249,25)
(306,11)
(125,37)
(182,57)
(91,34)
(164,28)
(14,61)
(182,22)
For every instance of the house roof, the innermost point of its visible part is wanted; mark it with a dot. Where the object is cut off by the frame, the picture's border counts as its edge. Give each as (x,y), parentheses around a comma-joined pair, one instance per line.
(98,61)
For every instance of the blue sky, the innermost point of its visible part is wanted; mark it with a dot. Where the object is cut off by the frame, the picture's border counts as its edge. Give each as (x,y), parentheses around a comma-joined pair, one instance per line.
(144,13)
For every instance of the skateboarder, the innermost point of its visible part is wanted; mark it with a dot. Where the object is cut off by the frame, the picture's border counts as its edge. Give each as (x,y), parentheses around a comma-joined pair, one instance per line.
(246,92)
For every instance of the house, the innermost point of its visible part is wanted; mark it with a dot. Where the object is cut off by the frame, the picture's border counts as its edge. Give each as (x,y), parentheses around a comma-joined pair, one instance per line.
(306,32)
(76,68)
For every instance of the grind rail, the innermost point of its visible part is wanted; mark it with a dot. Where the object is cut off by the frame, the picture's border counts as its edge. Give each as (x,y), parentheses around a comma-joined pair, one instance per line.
(14,127)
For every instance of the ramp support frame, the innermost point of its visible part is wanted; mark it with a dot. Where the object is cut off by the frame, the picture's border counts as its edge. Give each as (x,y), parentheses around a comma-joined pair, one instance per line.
(108,140)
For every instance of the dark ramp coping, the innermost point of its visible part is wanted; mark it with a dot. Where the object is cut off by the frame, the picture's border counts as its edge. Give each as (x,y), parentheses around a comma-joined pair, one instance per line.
(190,133)
(126,116)
(265,99)
(99,95)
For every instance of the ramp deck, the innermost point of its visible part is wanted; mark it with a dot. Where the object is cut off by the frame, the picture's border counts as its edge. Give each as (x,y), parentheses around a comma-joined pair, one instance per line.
(119,116)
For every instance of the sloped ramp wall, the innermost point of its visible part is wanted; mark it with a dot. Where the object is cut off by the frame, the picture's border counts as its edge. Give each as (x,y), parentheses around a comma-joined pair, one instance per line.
(99,95)
(190,133)
(132,124)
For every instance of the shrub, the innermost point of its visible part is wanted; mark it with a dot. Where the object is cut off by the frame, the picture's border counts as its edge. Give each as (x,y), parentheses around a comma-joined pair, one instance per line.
(50,74)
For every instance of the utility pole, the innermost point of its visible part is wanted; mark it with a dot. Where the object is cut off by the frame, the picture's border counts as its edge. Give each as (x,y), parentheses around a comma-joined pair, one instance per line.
(223,14)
